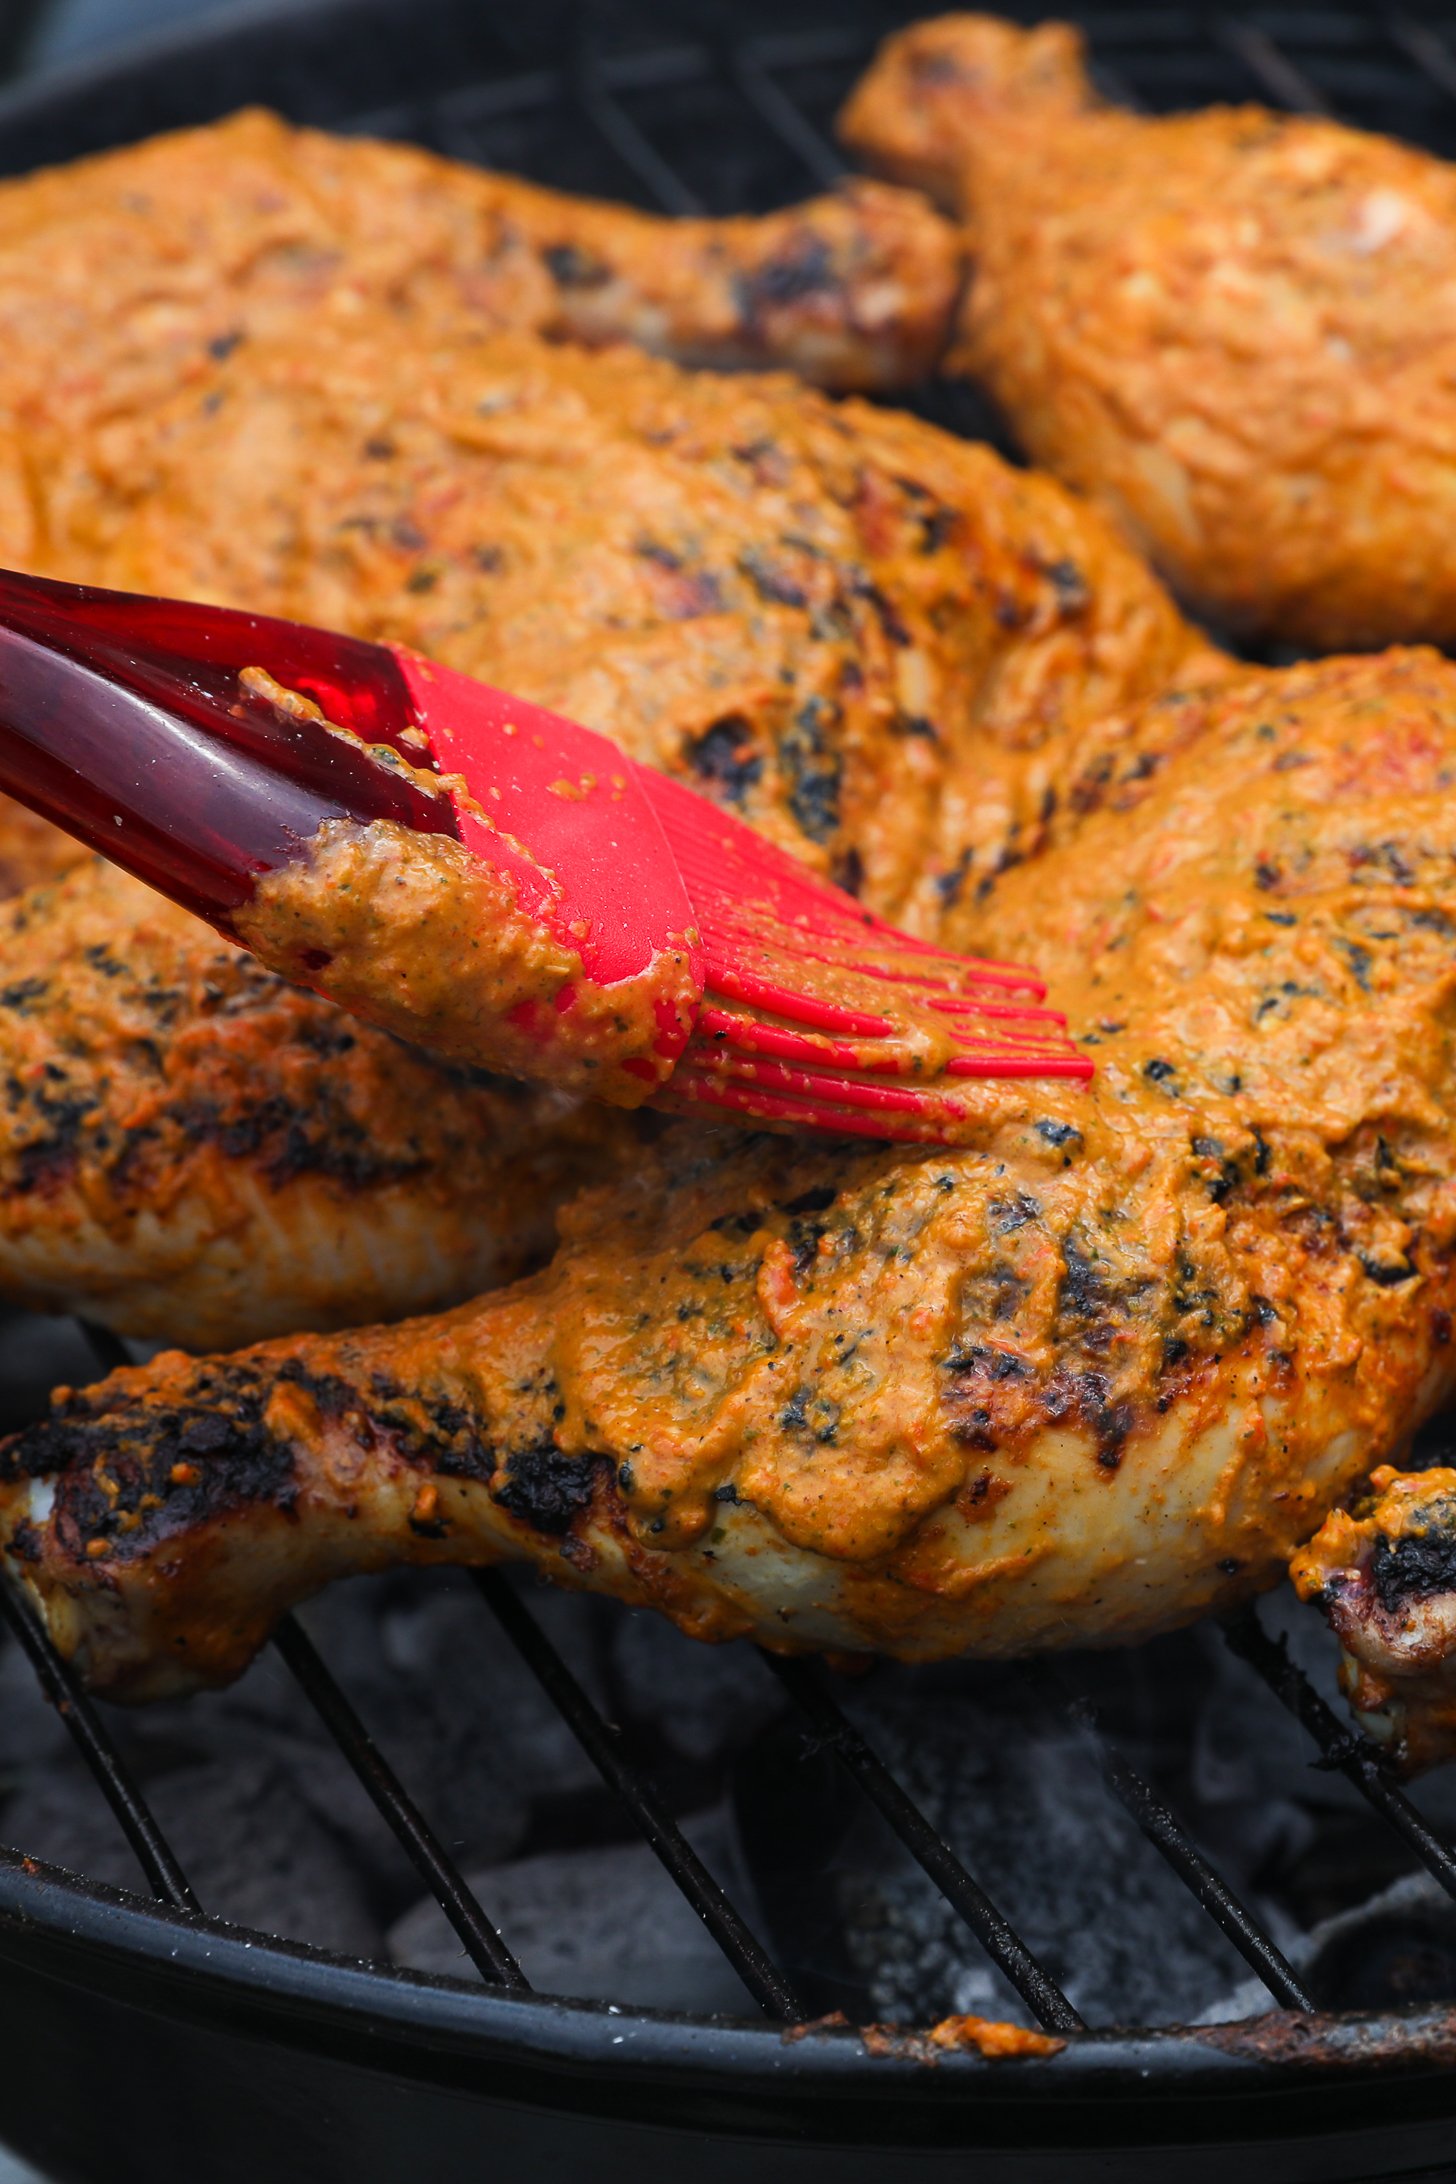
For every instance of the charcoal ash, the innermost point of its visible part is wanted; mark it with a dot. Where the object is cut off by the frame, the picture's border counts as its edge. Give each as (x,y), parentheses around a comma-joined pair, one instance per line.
(482,1751)
(1017,1794)
(39,1352)
(246,1837)
(1396,1951)
(600,1923)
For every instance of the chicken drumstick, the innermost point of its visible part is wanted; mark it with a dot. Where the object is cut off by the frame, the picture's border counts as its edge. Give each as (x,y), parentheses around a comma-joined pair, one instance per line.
(1236,329)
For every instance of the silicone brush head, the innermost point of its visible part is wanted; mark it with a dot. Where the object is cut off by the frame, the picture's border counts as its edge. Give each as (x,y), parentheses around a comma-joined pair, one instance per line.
(522,895)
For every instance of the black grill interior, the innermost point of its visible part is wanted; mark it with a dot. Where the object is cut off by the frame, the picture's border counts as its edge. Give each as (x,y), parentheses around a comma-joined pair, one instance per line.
(721,109)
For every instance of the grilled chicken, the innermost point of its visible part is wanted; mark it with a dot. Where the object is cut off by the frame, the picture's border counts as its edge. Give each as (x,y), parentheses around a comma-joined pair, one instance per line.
(121,273)
(1385,1576)
(1235,328)
(191,1148)
(863,634)
(122,276)
(849,626)
(1091,1375)
(31,851)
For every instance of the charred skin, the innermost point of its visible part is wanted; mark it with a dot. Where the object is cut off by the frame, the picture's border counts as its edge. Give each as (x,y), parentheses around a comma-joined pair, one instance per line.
(1384,1576)
(190,1147)
(1092,1375)
(1234,328)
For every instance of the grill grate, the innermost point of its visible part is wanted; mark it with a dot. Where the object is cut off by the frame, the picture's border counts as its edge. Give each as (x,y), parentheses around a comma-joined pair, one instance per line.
(628,123)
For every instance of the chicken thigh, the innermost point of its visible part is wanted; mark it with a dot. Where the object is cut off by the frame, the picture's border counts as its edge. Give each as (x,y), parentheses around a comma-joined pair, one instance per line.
(1236,329)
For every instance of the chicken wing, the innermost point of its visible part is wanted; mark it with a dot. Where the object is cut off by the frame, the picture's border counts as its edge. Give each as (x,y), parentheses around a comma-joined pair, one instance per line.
(1235,329)
(1091,1375)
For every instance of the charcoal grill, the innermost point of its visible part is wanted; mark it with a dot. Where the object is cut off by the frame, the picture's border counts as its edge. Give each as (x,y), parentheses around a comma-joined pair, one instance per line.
(142,2036)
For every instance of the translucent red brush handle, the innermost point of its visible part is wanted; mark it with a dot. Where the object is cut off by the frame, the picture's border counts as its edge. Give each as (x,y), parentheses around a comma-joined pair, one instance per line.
(124,720)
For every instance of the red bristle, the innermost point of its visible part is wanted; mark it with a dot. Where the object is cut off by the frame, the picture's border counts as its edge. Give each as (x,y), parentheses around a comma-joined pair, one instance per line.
(770,1107)
(1023,1065)
(801,1008)
(817,1084)
(748,1035)
(972,1005)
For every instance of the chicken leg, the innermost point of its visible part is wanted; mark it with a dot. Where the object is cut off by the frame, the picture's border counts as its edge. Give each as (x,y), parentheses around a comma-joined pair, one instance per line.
(1235,329)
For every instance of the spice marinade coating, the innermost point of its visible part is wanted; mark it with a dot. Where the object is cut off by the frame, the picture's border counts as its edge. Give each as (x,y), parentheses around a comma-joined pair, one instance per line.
(867,637)
(1097,1373)
(853,629)
(1236,329)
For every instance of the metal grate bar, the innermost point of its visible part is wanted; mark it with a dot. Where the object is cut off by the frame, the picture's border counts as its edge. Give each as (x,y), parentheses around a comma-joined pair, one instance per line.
(612,122)
(1272,70)
(779,113)
(1428,49)
(598,1740)
(997,1936)
(154,1854)
(1157,1822)
(478,1936)
(1354,1755)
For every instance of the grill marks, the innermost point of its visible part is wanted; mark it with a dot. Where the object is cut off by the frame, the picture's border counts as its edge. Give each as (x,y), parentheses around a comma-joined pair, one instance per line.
(230,1446)
(122,1076)
(134,1477)
(1070,1315)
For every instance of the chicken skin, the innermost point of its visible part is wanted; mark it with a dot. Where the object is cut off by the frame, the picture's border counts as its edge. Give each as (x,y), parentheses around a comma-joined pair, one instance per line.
(122,275)
(119,274)
(850,627)
(1094,1374)
(1235,329)
(189,1147)
(864,635)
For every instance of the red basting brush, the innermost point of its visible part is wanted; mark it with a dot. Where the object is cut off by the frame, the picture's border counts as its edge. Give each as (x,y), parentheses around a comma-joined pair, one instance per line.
(486,878)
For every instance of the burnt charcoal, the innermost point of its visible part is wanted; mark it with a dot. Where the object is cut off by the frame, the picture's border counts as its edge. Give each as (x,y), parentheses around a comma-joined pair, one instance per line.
(601,1923)
(704,1701)
(1018,1795)
(482,1752)
(254,1851)
(36,1355)
(1396,1951)
(447,1701)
